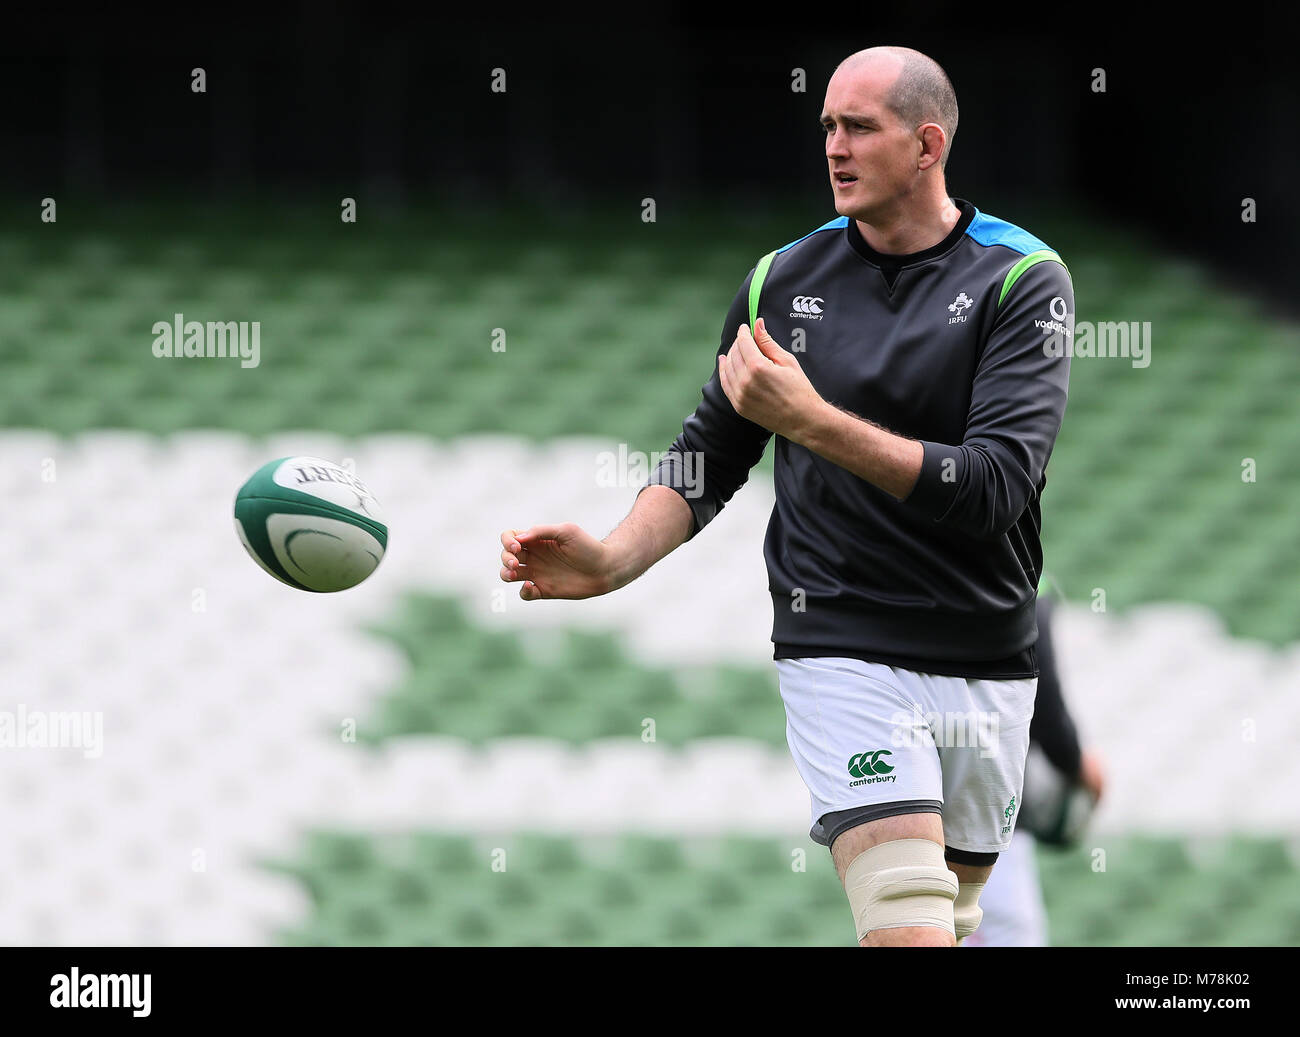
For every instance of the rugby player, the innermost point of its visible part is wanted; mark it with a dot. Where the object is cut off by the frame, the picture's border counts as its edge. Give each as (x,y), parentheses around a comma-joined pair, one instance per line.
(913,427)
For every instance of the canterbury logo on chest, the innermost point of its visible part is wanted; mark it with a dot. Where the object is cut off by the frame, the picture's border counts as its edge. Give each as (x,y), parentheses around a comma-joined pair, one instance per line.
(808,307)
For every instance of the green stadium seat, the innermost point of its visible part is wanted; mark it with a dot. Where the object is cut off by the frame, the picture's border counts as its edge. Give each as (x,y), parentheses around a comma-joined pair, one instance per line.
(443,856)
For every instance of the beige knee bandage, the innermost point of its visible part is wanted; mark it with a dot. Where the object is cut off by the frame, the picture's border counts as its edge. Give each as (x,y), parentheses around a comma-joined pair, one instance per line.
(901,882)
(966,911)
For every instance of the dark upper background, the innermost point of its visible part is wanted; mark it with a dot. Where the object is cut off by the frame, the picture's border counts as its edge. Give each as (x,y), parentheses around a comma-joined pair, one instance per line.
(665,103)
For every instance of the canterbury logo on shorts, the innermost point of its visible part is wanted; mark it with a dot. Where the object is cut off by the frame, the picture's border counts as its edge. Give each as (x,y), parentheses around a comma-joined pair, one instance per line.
(862,765)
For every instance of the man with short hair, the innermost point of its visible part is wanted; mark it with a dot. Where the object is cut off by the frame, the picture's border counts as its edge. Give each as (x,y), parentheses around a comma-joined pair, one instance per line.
(912,431)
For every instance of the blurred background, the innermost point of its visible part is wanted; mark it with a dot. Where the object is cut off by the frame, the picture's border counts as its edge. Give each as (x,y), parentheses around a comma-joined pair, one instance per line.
(551,219)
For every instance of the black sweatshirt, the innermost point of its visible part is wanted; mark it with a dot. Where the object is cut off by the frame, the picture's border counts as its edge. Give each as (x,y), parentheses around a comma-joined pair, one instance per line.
(950,346)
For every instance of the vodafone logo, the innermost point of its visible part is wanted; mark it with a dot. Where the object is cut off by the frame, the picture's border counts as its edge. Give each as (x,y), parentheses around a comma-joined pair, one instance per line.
(808,307)
(1057,309)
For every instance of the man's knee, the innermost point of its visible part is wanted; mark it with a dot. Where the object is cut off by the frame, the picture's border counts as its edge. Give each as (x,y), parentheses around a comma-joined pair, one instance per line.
(901,882)
(972,871)
(852,841)
(966,911)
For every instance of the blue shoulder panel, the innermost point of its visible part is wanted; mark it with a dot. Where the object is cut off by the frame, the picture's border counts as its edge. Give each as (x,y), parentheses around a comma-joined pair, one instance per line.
(839,221)
(989,230)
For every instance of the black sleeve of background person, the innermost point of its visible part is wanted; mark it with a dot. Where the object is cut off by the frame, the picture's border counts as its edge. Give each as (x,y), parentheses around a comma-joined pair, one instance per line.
(1052,728)
(728,444)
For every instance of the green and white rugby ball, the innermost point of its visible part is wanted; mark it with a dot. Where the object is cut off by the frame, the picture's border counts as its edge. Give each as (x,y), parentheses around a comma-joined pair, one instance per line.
(311,524)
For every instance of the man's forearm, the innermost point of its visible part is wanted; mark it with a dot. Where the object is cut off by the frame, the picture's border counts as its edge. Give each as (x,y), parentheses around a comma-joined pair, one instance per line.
(658,524)
(883,459)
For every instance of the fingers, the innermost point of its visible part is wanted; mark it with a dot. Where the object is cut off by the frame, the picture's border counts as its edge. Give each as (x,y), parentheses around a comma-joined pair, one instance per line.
(733,369)
(766,344)
(724,378)
(512,557)
(515,552)
(534,533)
(748,349)
(530,592)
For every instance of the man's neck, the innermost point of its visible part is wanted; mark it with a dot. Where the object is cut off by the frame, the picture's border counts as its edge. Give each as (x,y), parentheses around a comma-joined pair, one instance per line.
(905,235)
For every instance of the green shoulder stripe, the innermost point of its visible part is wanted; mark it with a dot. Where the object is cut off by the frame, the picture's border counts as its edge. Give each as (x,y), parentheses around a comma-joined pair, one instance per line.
(756,286)
(1041,256)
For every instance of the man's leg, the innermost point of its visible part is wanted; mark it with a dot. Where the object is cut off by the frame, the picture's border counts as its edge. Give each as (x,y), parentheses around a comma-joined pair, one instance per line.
(967,913)
(983,751)
(861,742)
(931,898)
(1012,902)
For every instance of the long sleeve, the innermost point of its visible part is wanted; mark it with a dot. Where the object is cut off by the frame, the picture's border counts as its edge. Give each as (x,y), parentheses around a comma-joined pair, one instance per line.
(712,457)
(982,485)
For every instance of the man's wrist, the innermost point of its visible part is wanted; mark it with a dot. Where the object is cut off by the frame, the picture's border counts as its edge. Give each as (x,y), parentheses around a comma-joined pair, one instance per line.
(620,566)
(659,523)
(818,427)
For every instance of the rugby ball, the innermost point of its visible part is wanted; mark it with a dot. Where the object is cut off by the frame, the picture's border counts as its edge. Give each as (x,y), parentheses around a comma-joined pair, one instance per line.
(310,523)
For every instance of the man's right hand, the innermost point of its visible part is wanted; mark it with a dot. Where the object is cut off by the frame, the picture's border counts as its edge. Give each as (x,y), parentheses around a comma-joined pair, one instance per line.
(559,561)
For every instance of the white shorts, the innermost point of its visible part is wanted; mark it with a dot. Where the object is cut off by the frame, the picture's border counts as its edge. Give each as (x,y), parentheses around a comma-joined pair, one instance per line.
(893,741)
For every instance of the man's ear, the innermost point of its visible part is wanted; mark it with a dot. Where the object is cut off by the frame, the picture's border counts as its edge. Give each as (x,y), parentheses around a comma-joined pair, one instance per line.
(932,140)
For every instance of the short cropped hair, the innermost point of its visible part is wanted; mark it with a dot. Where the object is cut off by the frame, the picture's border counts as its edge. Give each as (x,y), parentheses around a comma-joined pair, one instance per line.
(922,93)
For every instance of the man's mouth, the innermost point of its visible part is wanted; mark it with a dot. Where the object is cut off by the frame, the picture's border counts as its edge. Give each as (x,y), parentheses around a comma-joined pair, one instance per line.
(844,179)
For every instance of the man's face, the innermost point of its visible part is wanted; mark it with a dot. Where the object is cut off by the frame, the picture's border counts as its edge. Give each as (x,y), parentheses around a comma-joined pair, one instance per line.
(871,156)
